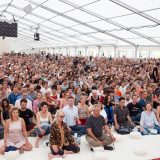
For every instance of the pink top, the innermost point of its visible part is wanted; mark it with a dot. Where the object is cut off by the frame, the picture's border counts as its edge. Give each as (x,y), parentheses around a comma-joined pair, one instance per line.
(15,134)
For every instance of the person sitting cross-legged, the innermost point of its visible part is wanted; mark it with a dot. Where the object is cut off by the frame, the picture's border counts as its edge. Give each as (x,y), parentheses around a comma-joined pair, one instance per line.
(148,122)
(61,140)
(27,115)
(71,118)
(95,125)
(44,121)
(15,134)
(122,120)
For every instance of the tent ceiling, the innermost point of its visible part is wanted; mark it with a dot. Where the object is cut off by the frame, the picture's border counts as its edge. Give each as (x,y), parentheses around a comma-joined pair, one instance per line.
(77,22)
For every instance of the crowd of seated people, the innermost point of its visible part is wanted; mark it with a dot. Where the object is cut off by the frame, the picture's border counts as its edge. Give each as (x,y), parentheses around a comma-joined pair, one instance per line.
(42,95)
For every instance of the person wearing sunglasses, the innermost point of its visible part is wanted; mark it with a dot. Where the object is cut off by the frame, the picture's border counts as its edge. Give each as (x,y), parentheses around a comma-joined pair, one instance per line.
(61,141)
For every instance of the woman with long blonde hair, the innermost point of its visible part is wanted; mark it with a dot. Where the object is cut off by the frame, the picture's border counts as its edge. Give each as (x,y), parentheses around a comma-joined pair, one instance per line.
(15,134)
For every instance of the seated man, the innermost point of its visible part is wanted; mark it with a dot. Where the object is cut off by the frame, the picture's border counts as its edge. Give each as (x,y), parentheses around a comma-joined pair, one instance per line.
(29,102)
(27,115)
(71,118)
(134,109)
(121,115)
(95,125)
(143,101)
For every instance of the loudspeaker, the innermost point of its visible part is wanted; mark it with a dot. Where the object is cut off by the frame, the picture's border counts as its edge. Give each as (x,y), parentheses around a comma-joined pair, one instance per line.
(8,30)
(36,37)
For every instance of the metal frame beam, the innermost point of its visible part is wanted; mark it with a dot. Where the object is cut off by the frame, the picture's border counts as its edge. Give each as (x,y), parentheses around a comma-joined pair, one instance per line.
(35,24)
(111,21)
(49,20)
(4,5)
(134,10)
(25,36)
(82,23)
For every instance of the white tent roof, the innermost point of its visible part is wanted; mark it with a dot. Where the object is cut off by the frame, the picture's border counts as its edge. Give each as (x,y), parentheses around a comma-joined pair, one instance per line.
(81,22)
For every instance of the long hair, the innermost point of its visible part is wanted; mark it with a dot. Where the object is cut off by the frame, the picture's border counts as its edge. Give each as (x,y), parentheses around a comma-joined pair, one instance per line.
(11,111)
(106,99)
(5,107)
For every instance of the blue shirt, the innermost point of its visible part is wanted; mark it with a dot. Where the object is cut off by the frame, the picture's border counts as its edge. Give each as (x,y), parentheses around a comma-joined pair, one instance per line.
(142,104)
(13,97)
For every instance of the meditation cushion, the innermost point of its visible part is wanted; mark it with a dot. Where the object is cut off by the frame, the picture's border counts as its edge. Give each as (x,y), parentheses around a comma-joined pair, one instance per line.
(11,155)
(99,156)
(135,135)
(141,151)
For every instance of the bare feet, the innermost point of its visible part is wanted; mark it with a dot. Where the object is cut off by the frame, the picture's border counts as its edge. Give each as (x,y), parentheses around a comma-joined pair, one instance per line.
(2,150)
(21,151)
(36,145)
(68,152)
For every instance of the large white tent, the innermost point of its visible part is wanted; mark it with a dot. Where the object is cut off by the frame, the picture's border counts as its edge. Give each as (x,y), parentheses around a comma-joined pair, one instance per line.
(95,27)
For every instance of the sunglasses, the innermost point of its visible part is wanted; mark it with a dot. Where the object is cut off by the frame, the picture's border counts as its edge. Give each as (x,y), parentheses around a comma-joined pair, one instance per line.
(61,116)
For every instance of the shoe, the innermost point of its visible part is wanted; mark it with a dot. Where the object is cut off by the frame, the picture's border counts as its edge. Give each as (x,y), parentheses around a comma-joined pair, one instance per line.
(92,149)
(108,148)
(136,123)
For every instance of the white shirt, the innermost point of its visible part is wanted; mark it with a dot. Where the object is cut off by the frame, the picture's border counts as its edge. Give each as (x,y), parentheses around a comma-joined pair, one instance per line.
(100,93)
(44,91)
(29,104)
(104,114)
(123,90)
(70,114)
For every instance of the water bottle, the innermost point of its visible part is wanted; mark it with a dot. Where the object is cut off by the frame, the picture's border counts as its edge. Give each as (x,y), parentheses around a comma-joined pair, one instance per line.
(77,139)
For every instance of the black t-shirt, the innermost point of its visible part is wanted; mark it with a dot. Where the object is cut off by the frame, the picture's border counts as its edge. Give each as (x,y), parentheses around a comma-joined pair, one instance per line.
(96,124)
(1,80)
(94,101)
(5,115)
(155,104)
(121,115)
(155,70)
(134,109)
(26,115)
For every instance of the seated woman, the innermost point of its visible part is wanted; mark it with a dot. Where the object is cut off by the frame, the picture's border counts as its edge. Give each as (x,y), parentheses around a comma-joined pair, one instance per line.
(15,134)
(36,103)
(61,141)
(5,108)
(44,120)
(83,111)
(148,122)
(108,107)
